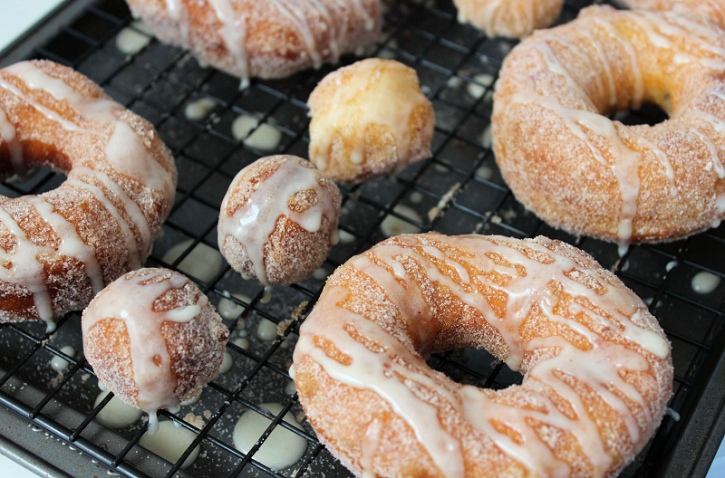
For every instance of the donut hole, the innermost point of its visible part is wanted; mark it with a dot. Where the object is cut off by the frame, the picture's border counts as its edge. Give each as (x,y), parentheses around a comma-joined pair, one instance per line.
(34,167)
(648,114)
(25,154)
(36,180)
(477,367)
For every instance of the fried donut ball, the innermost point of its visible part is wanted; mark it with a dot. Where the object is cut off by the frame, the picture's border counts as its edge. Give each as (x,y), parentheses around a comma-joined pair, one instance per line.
(278,220)
(508,18)
(153,339)
(369,119)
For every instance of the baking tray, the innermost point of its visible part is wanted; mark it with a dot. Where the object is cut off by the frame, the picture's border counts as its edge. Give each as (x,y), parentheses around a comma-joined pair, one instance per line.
(48,419)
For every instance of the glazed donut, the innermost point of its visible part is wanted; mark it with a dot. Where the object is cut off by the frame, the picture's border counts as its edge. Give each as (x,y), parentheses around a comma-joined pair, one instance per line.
(597,367)
(711,10)
(278,220)
(369,119)
(62,247)
(587,174)
(158,348)
(271,39)
(508,18)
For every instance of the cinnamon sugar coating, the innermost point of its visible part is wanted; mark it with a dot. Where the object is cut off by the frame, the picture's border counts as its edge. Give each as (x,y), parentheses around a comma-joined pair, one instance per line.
(63,246)
(278,220)
(597,366)
(508,18)
(153,339)
(586,174)
(369,119)
(709,10)
(269,39)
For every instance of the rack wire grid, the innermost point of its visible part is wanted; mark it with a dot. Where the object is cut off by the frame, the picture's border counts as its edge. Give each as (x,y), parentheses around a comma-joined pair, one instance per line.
(459,190)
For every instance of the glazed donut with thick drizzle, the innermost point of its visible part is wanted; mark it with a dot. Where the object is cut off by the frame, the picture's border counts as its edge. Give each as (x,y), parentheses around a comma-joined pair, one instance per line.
(63,246)
(584,173)
(154,339)
(271,39)
(597,367)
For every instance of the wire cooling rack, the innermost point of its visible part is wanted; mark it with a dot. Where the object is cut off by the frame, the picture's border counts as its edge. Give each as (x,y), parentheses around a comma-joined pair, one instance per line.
(458,191)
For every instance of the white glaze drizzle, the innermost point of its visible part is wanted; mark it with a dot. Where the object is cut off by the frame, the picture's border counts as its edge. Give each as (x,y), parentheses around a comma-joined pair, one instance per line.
(135,261)
(490,14)
(48,113)
(253,223)
(705,282)
(171,442)
(366,96)
(180,15)
(26,268)
(233,29)
(579,52)
(530,15)
(71,243)
(606,65)
(487,15)
(717,94)
(598,366)
(625,161)
(574,118)
(125,150)
(637,80)
(367,17)
(233,32)
(661,157)
(75,177)
(652,25)
(717,124)
(336,32)
(712,149)
(281,449)
(116,413)
(302,22)
(660,27)
(131,300)
(15,150)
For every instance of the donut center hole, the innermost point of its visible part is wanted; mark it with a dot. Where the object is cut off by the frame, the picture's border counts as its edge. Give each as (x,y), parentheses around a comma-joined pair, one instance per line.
(33,181)
(648,114)
(477,367)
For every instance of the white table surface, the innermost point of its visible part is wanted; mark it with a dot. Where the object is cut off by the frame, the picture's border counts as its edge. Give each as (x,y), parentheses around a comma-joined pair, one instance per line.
(13,22)
(23,13)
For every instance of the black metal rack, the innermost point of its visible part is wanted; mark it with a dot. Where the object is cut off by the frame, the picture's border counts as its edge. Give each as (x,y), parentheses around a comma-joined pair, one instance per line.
(458,191)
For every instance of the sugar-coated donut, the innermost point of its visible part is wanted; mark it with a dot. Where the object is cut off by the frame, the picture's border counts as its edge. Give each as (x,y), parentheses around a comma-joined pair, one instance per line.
(153,339)
(62,247)
(369,119)
(581,171)
(711,10)
(278,220)
(597,367)
(508,18)
(270,39)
